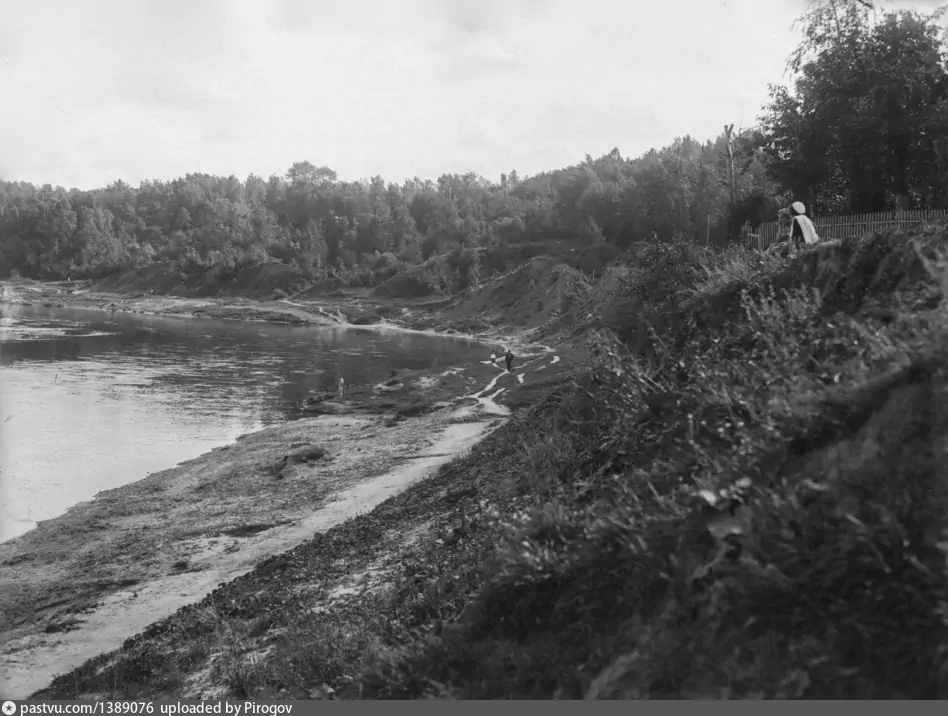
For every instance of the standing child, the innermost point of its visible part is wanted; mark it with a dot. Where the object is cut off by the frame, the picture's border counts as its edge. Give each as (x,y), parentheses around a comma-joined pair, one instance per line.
(508,358)
(802,230)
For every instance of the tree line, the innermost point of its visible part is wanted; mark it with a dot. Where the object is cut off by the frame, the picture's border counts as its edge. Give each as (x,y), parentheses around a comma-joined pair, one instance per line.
(861,125)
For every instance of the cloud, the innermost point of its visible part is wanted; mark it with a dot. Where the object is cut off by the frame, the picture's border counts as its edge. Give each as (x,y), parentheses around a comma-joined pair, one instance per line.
(159,88)
(492,17)
(488,38)
(471,17)
(478,55)
(296,14)
(480,131)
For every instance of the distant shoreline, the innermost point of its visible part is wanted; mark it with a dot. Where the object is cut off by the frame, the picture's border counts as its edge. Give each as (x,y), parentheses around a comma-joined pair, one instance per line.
(328,311)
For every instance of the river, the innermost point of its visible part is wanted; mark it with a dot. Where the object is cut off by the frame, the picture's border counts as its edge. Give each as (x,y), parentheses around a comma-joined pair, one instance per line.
(90,401)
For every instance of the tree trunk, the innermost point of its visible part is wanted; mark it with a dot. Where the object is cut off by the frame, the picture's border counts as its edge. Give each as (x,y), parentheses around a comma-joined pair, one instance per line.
(731,189)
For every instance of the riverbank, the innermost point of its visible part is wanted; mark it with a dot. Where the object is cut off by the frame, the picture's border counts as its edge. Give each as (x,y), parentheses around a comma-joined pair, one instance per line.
(84,295)
(150,547)
(743,497)
(517,309)
(79,585)
(307,608)
(354,310)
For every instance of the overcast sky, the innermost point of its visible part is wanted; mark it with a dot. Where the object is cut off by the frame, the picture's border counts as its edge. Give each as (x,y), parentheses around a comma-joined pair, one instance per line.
(95,90)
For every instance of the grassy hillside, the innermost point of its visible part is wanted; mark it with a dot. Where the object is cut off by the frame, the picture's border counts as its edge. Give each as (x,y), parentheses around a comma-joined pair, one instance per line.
(743,495)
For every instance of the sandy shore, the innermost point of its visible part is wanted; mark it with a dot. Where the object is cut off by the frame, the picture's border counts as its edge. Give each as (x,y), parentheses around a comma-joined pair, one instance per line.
(315,312)
(79,295)
(80,584)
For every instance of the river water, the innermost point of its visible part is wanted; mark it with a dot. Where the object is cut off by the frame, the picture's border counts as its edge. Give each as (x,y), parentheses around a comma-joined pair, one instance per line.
(89,402)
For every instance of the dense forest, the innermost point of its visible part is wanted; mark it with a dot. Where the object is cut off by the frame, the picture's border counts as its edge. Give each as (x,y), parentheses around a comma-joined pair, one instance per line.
(861,125)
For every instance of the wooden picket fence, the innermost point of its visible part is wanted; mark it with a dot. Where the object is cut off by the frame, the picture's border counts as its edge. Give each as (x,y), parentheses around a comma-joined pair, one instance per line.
(842,226)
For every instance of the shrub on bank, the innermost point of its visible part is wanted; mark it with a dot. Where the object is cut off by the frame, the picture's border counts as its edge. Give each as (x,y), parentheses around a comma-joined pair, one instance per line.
(407,284)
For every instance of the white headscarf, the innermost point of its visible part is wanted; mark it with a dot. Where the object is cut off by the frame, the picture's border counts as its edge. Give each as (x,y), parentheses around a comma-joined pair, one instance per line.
(798,207)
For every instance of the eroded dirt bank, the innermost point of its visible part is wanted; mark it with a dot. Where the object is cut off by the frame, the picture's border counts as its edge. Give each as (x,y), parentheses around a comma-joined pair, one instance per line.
(83,295)
(513,309)
(353,309)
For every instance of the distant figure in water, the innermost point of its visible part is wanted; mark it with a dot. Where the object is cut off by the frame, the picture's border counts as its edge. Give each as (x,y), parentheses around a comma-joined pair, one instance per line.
(493,359)
(342,387)
(508,358)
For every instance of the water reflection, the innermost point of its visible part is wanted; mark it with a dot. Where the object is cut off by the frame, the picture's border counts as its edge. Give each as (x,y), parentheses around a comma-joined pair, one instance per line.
(83,413)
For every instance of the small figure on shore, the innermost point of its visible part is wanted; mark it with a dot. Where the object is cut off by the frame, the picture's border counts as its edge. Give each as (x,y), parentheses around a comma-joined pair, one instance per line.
(508,358)
(802,229)
(342,387)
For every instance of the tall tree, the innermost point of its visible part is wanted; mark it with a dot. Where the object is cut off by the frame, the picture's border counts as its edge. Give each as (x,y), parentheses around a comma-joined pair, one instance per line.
(859,125)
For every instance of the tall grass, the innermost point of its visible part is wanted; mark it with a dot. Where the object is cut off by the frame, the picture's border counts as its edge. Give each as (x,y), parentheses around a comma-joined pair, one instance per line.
(757,517)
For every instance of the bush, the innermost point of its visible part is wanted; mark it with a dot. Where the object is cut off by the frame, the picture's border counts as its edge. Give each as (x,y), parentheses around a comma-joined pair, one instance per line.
(405,284)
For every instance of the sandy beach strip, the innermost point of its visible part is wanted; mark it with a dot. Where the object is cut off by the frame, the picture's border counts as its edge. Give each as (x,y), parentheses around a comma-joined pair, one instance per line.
(80,584)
